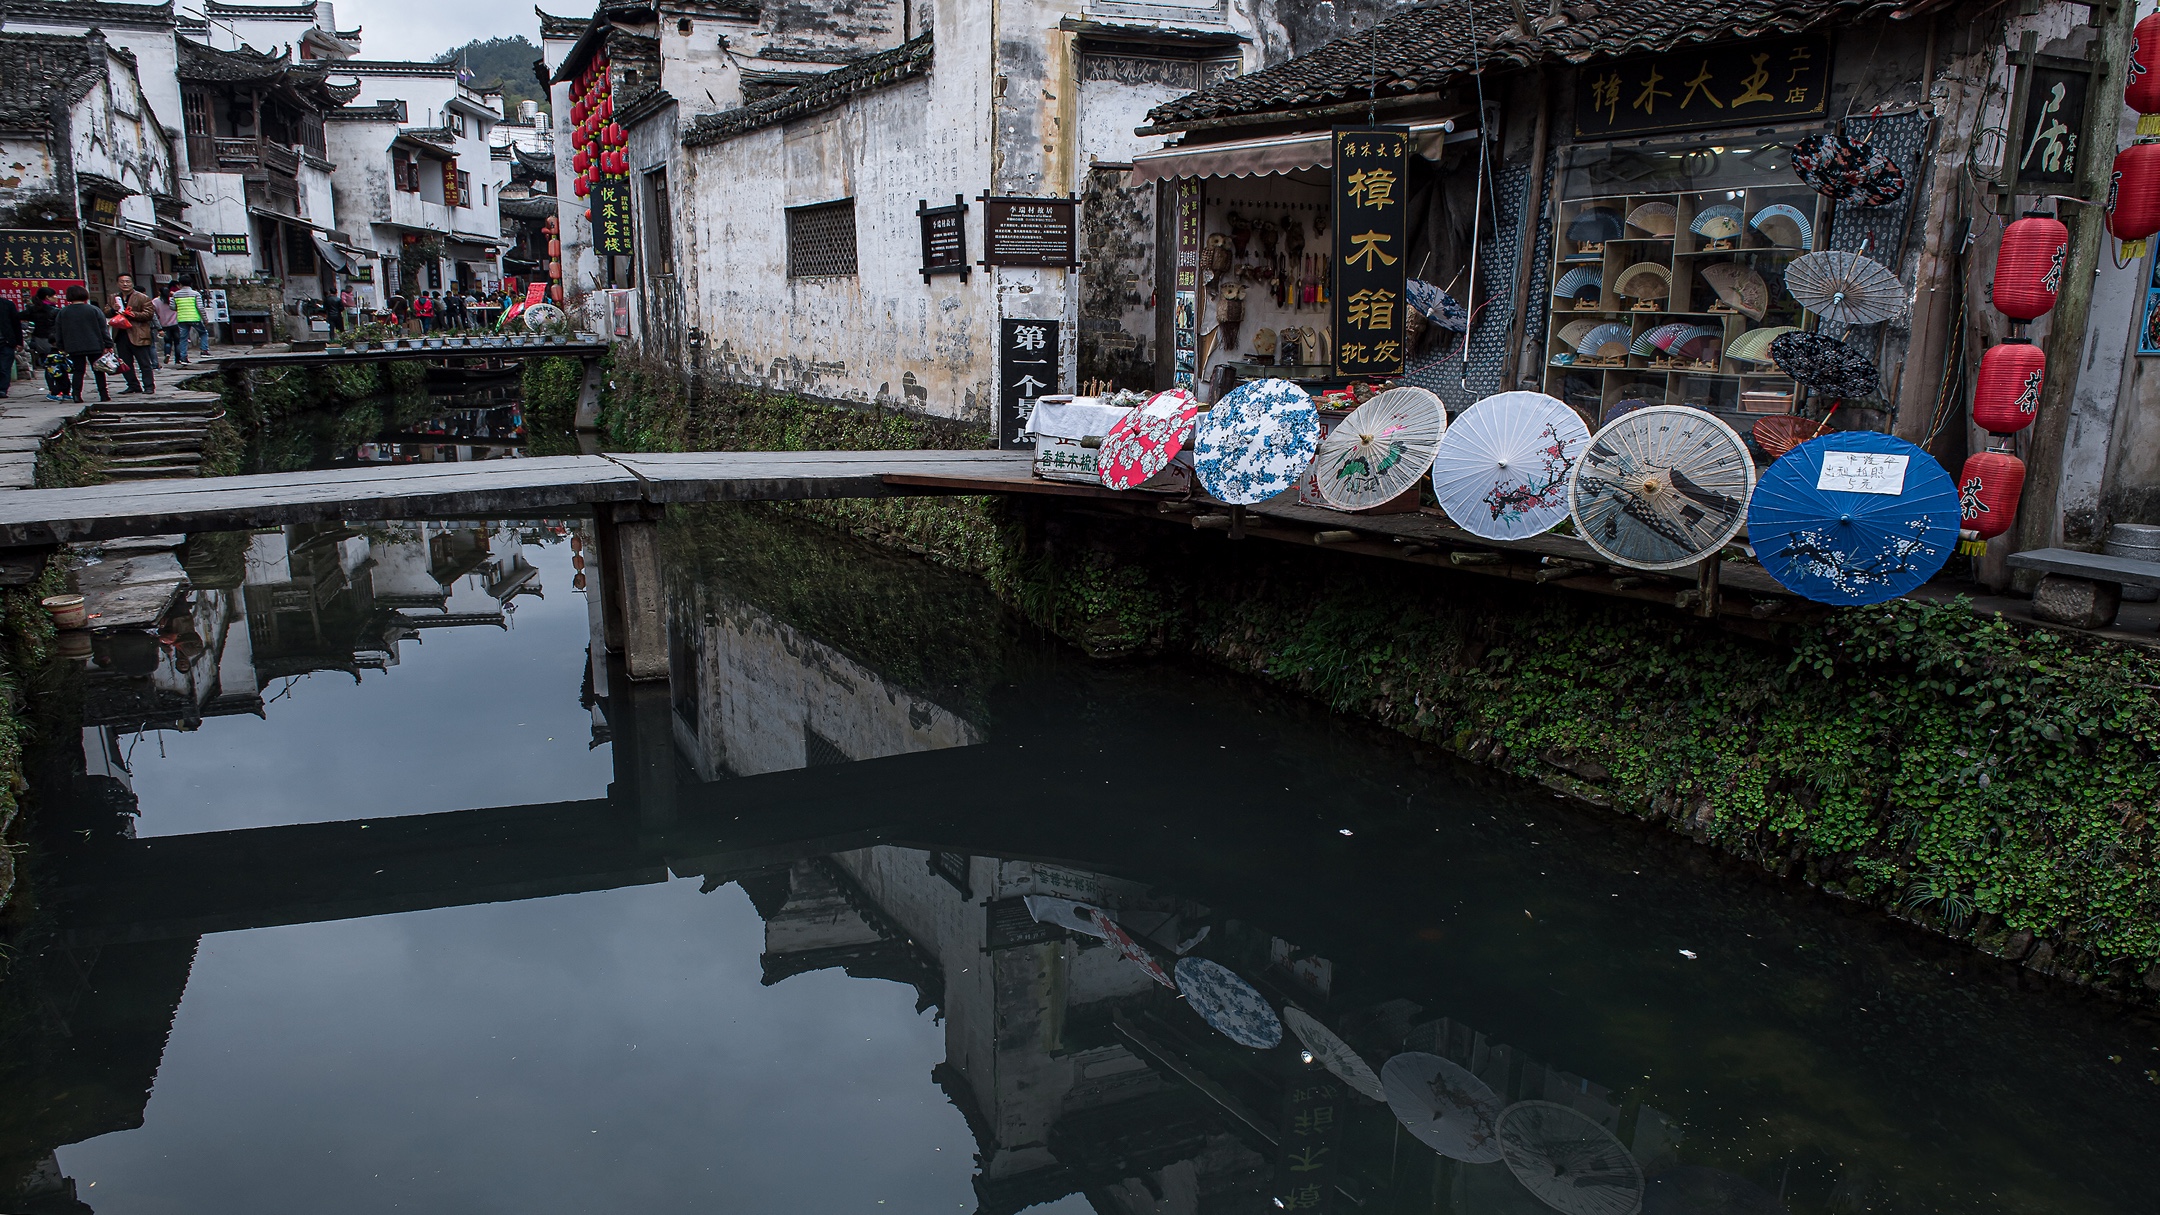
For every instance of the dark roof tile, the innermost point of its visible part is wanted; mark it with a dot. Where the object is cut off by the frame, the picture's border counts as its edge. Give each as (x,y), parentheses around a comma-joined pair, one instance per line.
(1425,49)
(834,88)
(87,13)
(44,71)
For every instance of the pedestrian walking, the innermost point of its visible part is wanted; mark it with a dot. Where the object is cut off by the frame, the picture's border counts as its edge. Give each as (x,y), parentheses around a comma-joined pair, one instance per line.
(11,340)
(138,362)
(41,338)
(168,323)
(85,335)
(187,310)
(334,310)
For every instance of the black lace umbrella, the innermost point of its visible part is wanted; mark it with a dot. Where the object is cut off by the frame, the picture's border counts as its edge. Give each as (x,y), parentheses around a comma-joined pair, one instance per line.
(1829,367)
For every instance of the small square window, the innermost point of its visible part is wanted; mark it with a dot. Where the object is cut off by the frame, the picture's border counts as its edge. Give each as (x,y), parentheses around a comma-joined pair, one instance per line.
(821,240)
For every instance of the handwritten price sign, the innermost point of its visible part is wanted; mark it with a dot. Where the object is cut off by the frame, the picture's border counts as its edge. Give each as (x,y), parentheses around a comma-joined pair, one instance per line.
(1862,472)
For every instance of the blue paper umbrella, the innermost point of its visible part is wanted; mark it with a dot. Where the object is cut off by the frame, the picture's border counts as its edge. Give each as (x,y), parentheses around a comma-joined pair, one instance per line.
(1256,442)
(1228,1003)
(1853,517)
(1581,282)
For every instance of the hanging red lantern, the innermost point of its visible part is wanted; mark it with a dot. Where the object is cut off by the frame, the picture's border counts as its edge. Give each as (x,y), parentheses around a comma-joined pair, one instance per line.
(577,111)
(2143,92)
(2133,206)
(556,291)
(2029,269)
(2007,393)
(581,187)
(1988,491)
(554,248)
(607,107)
(614,134)
(588,215)
(554,269)
(580,161)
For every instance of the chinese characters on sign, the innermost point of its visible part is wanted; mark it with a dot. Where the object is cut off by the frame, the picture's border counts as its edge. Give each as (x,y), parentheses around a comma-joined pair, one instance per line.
(1862,472)
(1027,369)
(234,244)
(1030,232)
(1312,1137)
(944,238)
(611,214)
(31,258)
(2047,148)
(1729,84)
(1185,317)
(1372,168)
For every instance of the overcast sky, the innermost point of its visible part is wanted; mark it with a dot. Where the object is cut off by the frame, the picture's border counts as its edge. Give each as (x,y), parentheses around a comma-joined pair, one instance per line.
(423,29)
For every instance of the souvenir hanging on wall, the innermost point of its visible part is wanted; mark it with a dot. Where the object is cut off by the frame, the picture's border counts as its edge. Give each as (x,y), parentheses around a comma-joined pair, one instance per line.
(1785,226)
(1739,289)
(1844,288)
(1837,167)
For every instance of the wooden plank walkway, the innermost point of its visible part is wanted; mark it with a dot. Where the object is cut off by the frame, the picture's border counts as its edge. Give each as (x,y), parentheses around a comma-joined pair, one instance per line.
(43,517)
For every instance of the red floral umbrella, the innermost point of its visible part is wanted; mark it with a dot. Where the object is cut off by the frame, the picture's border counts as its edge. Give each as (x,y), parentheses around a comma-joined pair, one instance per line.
(1134,952)
(1143,442)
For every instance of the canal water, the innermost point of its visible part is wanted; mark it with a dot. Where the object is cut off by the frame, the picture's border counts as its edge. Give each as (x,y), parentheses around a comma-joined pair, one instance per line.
(367,886)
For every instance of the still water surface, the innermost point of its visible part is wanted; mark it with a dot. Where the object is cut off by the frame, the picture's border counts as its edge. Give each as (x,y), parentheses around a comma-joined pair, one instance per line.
(461,922)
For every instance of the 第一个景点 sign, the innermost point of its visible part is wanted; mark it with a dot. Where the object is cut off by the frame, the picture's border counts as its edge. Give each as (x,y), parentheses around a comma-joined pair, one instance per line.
(1729,84)
(1372,249)
(31,258)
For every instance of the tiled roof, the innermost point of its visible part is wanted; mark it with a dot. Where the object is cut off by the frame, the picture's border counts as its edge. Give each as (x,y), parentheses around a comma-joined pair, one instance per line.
(552,26)
(87,13)
(274,12)
(381,111)
(1424,49)
(837,87)
(41,70)
(540,163)
(538,206)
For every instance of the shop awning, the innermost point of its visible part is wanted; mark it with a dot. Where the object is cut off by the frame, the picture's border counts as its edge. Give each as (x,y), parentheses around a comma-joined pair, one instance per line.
(1259,157)
(197,242)
(332,254)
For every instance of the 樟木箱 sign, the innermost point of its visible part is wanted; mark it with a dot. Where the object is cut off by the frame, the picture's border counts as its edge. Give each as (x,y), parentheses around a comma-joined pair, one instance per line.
(1371,252)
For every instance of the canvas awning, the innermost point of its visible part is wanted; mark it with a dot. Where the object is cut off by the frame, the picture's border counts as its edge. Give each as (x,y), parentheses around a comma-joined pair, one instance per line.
(330,253)
(1277,154)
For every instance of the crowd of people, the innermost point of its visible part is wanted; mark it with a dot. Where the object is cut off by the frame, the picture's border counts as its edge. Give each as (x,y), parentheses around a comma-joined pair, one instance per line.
(75,342)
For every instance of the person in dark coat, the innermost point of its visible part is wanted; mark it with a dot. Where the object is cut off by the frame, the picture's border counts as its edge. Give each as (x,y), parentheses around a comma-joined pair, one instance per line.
(85,333)
(11,340)
(41,338)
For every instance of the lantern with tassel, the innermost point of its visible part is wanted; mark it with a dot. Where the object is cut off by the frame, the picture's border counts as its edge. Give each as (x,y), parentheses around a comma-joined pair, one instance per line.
(615,136)
(577,111)
(581,187)
(607,107)
(2007,394)
(2143,92)
(580,160)
(2133,206)
(1988,491)
(2029,269)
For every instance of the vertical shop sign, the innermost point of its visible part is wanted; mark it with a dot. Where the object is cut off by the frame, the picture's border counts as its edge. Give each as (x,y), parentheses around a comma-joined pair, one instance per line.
(1372,168)
(1311,1140)
(2054,114)
(1185,288)
(1027,369)
(611,215)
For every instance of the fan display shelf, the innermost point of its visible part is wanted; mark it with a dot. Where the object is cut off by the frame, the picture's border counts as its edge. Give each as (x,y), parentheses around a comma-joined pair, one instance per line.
(1737,391)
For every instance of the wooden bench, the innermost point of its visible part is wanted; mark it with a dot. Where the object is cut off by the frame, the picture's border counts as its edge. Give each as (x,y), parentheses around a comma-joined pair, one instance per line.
(2083,590)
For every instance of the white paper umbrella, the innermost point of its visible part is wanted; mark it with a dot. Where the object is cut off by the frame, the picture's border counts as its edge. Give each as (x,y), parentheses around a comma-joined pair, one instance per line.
(1228,1003)
(1334,1054)
(1661,487)
(1502,468)
(1380,450)
(1845,288)
(1449,1110)
(1067,913)
(1568,1162)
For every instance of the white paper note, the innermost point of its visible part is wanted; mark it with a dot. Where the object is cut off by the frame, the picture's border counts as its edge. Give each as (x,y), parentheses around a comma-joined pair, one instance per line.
(1863,472)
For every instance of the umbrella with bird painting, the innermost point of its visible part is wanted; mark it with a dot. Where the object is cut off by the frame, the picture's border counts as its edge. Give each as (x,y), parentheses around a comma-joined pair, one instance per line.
(1570,1163)
(1502,468)
(1380,450)
(1334,1054)
(1661,487)
(1443,1106)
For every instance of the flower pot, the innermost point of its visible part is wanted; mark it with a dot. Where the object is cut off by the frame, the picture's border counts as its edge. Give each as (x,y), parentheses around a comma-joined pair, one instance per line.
(67,611)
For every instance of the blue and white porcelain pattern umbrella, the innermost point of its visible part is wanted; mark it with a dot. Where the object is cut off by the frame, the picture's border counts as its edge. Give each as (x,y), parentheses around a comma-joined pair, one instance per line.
(1256,442)
(1228,1003)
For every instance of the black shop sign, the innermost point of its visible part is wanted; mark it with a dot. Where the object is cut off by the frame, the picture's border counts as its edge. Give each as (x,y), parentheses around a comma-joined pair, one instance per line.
(1027,369)
(611,215)
(1731,84)
(1315,1110)
(944,238)
(47,255)
(1372,169)
(2053,117)
(1030,232)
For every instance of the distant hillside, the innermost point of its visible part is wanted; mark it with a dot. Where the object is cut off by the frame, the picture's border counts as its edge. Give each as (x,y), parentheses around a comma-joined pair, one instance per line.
(502,65)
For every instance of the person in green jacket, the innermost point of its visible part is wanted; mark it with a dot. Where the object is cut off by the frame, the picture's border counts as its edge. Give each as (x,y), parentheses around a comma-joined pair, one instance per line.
(187,307)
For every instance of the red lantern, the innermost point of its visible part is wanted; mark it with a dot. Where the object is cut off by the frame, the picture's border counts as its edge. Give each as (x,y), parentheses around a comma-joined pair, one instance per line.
(2007,394)
(607,107)
(581,187)
(554,248)
(2143,92)
(2029,269)
(1988,492)
(588,214)
(580,161)
(577,111)
(2133,207)
(556,291)
(554,269)
(615,135)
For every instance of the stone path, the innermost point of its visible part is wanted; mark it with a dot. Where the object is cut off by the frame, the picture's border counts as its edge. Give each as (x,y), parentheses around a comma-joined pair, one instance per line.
(27,420)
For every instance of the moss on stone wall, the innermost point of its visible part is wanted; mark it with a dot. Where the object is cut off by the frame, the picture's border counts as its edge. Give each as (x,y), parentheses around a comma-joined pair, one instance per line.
(26,637)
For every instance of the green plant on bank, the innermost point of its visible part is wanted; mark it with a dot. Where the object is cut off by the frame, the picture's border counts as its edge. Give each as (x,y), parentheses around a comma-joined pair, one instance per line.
(224,449)
(68,459)
(26,637)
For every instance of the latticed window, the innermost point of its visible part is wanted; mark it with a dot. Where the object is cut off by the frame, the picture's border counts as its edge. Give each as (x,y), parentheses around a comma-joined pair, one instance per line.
(821,240)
